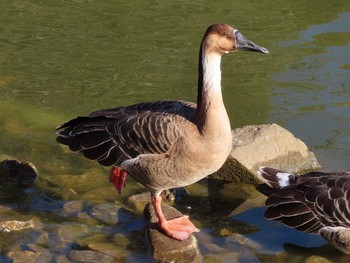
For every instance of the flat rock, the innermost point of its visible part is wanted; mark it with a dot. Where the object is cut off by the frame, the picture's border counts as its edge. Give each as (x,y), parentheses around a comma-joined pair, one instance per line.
(15,173)
(108,249)
(139,201)
(89,256)
(15,225)
(317,259)
(265,145)
(165,248)
(233,197)
(22,256)
(110,213)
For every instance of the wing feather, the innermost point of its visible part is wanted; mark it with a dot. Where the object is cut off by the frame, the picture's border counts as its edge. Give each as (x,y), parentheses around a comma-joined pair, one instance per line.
(114,135)
(311,201)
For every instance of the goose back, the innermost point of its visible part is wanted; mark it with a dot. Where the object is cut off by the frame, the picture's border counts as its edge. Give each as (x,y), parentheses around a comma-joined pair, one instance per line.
(112,136)
(309,201)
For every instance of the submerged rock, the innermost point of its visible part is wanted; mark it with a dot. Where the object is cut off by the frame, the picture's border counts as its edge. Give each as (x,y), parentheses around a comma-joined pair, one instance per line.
(22,256)
(138,201)
(15,225)
(233,198)
(89,256)
(15,173)
(264,145)
(106,248)
(164,248)
(109,213)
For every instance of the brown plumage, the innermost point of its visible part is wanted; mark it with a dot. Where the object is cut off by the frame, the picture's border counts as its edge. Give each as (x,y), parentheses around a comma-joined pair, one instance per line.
(165,144)
(314,202)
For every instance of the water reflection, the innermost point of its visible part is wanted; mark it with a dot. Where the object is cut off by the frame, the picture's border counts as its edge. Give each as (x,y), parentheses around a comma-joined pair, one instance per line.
(311,95)
(59,59)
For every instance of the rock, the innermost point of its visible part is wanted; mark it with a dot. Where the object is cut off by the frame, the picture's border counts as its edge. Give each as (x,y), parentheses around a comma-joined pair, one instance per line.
(317,259)
(73,208)
(82,256)
(67,233)
(22,256)
(139,201)
(109,213)
(108,249)
(165,248)
(4,209)
(229,198)
(61,259)
(228,257)
(264,145)
(78,209)
(15,225)
(15,173)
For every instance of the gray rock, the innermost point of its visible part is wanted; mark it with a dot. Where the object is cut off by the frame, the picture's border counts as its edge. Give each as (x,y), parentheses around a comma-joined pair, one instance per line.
(88,256)
(22,256)
(231,197)
(105,248)
(61,259)
(109,213)
(73,208)
(77,208)
(15,173)
(165,248)
(265,145)
(15,225)
(138,201)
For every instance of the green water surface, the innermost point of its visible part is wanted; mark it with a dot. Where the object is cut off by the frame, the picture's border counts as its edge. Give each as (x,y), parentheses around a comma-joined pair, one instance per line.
(60,59)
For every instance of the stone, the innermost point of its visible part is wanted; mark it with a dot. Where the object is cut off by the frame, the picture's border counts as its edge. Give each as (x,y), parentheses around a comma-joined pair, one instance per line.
(82,256)
(228,257)
(15,173)
(78,209)
(229,198)
(21,256)
(265,145)
(165,248)
(109,249)
(138,201)
(68,233)
(15,225)
(61,259)
(110,213)
(73,208)
(317,259)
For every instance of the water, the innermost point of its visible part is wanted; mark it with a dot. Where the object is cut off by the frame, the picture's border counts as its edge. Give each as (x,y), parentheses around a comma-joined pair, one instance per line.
(60,59)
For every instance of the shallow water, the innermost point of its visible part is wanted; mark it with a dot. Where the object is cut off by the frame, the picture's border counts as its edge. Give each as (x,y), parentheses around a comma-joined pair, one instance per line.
(60,59)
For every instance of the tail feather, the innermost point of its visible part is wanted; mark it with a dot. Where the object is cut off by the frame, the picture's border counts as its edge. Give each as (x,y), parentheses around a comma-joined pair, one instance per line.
(274,178)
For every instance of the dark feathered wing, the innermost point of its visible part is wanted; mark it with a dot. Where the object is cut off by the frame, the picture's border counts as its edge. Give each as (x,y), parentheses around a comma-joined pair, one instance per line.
(311,201)
(114,135)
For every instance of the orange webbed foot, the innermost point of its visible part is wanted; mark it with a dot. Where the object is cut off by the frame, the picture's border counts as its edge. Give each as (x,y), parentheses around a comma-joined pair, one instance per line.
(179,228)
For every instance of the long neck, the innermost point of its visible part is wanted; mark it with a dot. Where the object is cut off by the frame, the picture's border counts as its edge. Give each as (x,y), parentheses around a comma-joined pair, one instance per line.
(209,76)
(209,102)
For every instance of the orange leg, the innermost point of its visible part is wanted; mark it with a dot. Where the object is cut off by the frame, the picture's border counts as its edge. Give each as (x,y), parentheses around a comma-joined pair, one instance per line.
(117,177)
(178,228)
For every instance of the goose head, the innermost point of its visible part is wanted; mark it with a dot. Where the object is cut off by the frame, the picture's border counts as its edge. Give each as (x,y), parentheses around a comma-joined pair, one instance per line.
(223,39)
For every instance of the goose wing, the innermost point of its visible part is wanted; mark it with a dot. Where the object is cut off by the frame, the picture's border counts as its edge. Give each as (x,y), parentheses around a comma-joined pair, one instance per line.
(114,135)
(309,201)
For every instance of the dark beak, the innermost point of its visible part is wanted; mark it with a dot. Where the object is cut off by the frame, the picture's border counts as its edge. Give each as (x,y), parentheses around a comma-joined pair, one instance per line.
(247,45)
